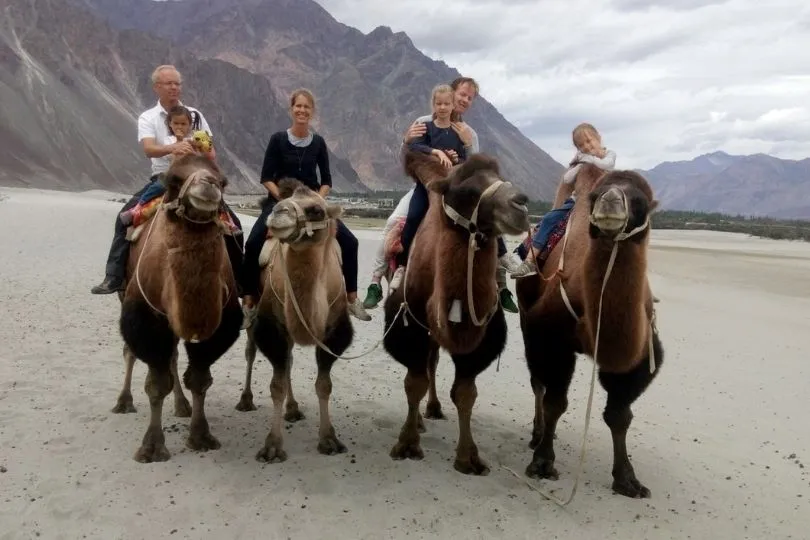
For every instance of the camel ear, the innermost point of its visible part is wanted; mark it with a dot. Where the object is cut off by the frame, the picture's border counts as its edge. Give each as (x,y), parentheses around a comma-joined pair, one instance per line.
(654,206)
(334,211)
(439,185)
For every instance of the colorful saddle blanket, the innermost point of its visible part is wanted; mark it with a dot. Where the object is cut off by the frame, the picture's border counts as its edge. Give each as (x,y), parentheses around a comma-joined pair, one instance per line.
(142,212)
(553,239)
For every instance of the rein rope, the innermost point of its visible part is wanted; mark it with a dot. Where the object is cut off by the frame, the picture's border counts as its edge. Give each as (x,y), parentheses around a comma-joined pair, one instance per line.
(622,236)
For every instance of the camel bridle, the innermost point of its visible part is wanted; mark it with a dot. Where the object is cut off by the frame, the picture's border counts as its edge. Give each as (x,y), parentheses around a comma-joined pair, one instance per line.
(179,207)
(304,227)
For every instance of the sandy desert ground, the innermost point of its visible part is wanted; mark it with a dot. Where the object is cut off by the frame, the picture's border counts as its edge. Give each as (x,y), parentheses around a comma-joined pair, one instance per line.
(721,438)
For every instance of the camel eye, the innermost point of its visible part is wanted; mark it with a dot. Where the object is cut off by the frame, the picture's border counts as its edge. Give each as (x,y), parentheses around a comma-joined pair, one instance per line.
(315,214)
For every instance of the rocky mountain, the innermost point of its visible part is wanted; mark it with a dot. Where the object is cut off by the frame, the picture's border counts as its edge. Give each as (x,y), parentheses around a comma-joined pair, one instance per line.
(757,185)
(370,87)
(71,89)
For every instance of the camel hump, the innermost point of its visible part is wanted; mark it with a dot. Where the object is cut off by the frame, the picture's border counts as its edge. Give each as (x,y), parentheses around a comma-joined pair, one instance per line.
(422,167)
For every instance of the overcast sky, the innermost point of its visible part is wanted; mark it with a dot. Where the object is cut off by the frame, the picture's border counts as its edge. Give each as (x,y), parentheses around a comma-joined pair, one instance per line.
(661,80)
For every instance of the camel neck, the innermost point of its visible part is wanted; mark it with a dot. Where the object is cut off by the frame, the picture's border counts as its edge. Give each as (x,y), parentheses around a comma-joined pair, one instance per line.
(196,291)
(624,321)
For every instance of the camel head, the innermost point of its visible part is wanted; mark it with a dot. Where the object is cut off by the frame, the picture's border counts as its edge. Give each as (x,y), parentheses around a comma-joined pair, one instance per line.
(194,187)
(302,218)
(474,194)
(621,204)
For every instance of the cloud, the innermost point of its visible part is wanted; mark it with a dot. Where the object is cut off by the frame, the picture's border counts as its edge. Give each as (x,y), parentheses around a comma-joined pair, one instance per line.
(662,80)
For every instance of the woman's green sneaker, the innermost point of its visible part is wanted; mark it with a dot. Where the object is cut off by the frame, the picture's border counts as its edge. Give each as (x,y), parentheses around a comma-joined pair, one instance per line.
(373,296)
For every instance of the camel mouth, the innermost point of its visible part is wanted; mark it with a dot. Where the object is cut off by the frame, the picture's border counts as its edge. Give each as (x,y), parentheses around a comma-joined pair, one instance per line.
(515,221)
(205,196)
(612,222)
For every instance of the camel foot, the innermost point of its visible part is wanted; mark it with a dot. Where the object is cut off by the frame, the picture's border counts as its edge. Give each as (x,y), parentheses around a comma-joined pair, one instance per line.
(246,402)
(182,408)
(407,450)
(542,468)
(124,405)
(330,445)
(473,465)
(272,451)
(153,448)
(201,439)
(434,411)
(629,486)
(293,413)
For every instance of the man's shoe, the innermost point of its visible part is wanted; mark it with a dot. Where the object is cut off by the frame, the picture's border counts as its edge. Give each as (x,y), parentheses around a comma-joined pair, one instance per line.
(507,303)
(373,296)
(110,285)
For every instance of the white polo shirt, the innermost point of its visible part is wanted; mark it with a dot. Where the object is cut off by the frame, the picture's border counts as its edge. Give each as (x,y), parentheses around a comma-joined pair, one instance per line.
(152,123)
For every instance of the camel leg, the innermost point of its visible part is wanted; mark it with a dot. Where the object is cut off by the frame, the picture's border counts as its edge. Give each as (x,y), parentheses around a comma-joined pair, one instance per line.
(181,405)
(551,378)
(197,378)
(339,337)
(464,393)
(124,403)
(622,390)
(293,413)
(246,401)
(416,386)
(149,338)
(537,426)
(433,409)
(157,386)
(273,451)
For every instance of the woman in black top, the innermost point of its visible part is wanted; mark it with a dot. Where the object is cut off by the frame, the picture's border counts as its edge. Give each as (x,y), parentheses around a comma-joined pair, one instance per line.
(296,153)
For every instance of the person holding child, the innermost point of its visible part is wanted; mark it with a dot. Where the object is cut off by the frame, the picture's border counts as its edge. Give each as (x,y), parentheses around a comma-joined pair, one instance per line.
(589,147)
(161,146)
(465,90)
(179,121)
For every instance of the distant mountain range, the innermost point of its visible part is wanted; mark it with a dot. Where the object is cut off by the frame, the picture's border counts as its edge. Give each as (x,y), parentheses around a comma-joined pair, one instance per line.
(755,185)
(74,75)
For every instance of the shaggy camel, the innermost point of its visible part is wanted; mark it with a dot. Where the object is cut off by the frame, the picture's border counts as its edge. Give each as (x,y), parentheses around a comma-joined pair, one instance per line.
(605,245)
(303,301)
(450,293)
(183,288)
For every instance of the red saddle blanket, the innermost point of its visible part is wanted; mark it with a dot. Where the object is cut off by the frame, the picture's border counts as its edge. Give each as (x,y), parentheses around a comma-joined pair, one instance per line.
(553,239)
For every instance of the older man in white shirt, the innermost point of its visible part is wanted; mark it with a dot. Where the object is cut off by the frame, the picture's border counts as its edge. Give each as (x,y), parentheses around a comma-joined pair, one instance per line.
(159,145)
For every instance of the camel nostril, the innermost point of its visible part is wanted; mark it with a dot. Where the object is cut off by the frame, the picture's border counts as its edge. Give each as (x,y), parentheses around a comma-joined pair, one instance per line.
(520,199)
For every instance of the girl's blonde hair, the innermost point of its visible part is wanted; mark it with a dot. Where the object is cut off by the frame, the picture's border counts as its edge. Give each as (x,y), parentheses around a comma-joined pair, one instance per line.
(443,89)
(581,130)
(302,92)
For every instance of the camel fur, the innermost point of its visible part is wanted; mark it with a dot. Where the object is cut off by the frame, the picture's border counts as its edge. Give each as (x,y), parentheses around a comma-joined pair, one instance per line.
(608,207)
(312,264)
(435,290)
(181,287)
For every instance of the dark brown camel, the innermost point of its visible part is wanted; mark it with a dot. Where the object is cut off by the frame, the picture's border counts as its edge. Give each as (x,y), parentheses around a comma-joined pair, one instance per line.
(451,293)
(303,301)
(182,287)
(609,220)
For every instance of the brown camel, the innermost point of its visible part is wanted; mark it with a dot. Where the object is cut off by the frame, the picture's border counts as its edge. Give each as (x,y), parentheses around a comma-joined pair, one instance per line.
(609,222)
(451,294)
(303,301)
(182,287)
